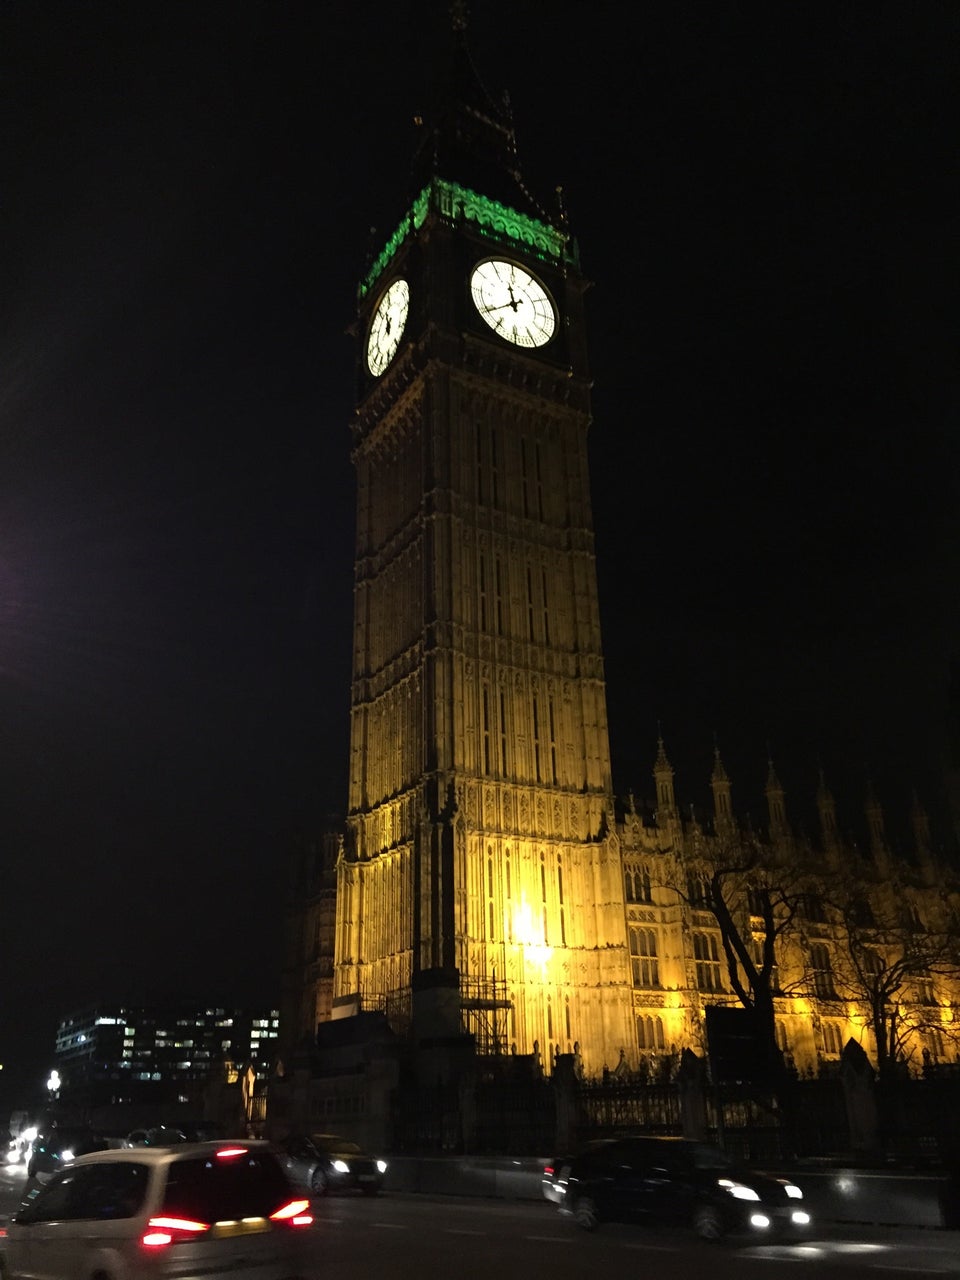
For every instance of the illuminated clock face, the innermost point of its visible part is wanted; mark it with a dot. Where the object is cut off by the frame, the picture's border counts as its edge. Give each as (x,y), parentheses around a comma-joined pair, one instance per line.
(386,328)
(513,303)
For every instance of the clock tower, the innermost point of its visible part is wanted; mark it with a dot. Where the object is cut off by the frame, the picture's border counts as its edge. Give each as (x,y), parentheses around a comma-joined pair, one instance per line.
(480,885)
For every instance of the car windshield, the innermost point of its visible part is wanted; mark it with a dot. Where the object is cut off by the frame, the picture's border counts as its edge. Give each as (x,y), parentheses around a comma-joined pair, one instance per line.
(217,1188)
(324,1142)
(75,1140)
(707,1157)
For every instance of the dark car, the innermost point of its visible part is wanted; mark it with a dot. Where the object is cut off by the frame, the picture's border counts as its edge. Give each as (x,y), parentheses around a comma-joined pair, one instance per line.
(160,1135)
(673,1180)
(55,1147)
(553,1183)
(326,1162)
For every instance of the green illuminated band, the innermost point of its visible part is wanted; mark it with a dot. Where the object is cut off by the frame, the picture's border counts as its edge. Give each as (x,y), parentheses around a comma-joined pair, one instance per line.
(491,218)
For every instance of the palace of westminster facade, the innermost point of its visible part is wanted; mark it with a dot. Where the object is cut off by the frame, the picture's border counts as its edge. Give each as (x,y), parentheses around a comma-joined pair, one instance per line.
(486,880)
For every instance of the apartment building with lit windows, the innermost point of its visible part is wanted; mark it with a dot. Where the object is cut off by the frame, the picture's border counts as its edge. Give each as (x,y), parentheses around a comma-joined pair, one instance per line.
(132,1051)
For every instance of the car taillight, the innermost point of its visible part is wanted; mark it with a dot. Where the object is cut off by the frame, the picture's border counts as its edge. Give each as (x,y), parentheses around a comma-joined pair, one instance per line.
(164,1231)
(231,1153)
(548,1170)
(293,1214)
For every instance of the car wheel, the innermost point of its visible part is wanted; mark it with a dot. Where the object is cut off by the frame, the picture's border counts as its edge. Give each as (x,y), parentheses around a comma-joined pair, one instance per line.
(319,1182)
(585,1214)
(707,1223)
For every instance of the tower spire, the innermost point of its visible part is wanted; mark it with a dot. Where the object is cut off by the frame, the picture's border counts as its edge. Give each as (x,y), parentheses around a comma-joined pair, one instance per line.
(663,777)
(776,808)
(468,136)
(722,800)
(827,809)
(878,839)
(921,837)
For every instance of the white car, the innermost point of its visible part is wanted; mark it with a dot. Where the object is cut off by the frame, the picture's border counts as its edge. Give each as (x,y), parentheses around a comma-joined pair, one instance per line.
(206,1208)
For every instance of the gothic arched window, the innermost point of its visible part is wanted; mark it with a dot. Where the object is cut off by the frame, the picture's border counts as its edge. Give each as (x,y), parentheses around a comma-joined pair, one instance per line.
(832,1039)
(650,1033)
(643,958)
(698,891)
(822,971)
(707,955)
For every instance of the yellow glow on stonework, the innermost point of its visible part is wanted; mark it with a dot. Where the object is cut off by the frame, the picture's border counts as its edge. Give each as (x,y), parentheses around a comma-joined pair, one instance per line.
(529,935)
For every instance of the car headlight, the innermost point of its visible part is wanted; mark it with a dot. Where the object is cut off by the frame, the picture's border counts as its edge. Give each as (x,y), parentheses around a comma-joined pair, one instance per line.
(66,1156)
(738,1190)
(341,1166)
(793,1191)
(799,1218)
(381,1166)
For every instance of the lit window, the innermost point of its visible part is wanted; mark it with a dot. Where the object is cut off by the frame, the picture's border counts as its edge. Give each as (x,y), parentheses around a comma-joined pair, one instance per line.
(643,958)
(650,1033)
(832,1039)
(698,891)
(925,991)
(707,956)
(822,972)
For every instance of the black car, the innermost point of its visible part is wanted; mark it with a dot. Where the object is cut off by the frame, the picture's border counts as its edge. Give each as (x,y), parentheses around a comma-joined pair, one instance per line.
(58,1146)
(674,1180)
(326,1162)
(553,1183)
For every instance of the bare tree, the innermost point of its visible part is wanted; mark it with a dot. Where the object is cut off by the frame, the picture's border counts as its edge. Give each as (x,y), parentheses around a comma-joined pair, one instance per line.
(889,959)
(754,899)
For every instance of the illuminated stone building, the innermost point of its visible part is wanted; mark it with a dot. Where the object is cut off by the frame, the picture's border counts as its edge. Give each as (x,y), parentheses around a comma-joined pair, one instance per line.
(480,869)
(486,881)
(858,940)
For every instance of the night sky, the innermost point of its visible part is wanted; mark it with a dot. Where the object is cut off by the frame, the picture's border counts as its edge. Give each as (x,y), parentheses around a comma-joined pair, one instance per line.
(766,201)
